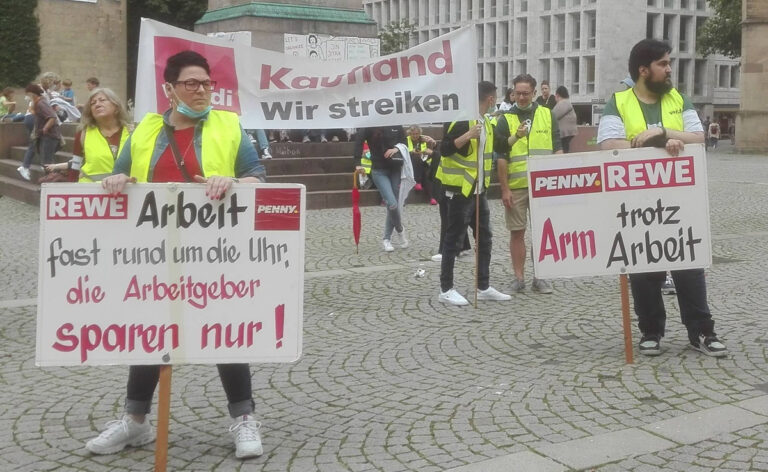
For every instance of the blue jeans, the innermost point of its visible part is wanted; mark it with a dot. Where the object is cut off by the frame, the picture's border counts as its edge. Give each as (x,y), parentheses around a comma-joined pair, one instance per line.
(236,379)
(261,138)
(691,288)
(43,145)
(388,183)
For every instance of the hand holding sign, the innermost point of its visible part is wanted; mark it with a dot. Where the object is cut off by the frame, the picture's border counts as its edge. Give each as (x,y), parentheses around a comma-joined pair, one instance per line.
(215,186)
(114,184)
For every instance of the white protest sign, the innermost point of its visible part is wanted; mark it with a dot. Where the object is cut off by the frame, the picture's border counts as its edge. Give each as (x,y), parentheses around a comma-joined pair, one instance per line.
(163,275)
(430,83)
(616,212)
(330,48)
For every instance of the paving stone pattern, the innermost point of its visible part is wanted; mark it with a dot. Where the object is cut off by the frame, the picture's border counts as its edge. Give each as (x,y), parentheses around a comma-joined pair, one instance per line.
(392,380)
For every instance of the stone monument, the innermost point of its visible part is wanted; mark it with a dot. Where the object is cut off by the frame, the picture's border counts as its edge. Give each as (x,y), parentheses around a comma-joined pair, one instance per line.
(268,21)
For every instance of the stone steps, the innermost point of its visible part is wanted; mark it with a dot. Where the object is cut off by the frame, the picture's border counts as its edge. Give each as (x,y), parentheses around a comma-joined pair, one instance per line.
(324,168)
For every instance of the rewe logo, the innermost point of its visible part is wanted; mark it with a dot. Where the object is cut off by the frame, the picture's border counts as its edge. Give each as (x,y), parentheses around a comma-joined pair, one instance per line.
(277,209)
(86,207)
(650,173)
(220,59)
(550,183)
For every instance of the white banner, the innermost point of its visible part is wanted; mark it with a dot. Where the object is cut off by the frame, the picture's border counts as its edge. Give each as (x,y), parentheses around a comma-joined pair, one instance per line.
(163,275)
(430,83)
(616,212)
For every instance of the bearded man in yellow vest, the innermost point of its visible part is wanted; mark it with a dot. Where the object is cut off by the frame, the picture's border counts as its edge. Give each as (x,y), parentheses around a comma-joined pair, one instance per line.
(526,129)
(212,148)
(465,173)
(653,113)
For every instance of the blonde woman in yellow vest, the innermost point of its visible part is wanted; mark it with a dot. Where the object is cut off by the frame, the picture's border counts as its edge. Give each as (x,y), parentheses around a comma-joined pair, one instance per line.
(216,151)
(104,128)
(526,129)
(465,171)
(653,113)
(421,147)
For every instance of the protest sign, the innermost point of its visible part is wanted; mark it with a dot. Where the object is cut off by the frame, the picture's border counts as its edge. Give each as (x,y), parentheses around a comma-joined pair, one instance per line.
(430,83)
(325,47)
(164,275)
(619,212)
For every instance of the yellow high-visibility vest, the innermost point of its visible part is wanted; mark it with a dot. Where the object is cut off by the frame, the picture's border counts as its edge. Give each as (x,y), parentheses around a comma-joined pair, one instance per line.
(99,160)
(220,143)
(634,119)
(422,147)
(461,171)
(538,141)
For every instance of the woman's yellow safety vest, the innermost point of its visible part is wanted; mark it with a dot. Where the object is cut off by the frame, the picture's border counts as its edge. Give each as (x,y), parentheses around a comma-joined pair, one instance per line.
(461,171)
(538,141)
(99,160)
(634,119)
(220,143)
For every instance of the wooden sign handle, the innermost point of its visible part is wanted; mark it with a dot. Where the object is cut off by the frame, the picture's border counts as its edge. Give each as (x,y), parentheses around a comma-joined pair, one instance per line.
(623,282)
(163,418)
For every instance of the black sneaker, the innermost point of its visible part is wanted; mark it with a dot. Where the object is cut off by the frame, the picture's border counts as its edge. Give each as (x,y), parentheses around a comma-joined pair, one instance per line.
(710,345)
(650,345)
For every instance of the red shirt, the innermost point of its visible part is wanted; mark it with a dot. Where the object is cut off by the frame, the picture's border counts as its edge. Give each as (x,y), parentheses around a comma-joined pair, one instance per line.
(166,169)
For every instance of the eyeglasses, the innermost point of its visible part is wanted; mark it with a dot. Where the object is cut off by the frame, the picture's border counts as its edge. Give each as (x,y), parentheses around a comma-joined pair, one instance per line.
(192,85)
(522,94)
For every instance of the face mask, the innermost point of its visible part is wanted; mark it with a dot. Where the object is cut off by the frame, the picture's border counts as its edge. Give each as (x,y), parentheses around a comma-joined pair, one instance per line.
(185,110)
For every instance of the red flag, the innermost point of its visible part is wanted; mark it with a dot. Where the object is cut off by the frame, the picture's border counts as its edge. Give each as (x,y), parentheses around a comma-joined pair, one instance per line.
(356,218)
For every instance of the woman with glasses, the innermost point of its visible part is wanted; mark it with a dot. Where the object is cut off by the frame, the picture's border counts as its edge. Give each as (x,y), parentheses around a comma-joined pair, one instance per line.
(207,146)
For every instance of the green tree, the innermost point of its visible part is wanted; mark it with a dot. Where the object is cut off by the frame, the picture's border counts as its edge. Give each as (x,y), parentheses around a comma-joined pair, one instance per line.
(721,33)
(395,36)
(179,13)
(20,37)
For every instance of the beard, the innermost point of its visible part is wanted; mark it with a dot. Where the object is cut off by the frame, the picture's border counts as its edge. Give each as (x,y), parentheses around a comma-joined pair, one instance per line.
(659,87)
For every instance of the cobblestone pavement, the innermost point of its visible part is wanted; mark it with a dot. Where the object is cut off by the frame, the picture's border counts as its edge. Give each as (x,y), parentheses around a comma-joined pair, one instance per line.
(391,380)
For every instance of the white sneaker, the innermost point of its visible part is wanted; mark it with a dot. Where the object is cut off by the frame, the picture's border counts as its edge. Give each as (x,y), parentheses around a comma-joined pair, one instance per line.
(453,297)
(121,433)
(387,244)
(245,432)
(437,258)
(24,172)
(399,239)
(491,293)
(265,154)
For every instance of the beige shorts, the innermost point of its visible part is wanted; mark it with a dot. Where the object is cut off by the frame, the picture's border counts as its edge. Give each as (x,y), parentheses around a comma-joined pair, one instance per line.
(517,216)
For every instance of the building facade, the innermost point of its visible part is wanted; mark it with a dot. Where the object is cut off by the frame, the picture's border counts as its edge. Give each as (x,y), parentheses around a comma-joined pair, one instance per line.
(582,44)
(85,38)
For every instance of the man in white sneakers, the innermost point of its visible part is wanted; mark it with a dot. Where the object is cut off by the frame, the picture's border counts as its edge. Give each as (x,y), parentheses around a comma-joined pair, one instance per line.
(465,172)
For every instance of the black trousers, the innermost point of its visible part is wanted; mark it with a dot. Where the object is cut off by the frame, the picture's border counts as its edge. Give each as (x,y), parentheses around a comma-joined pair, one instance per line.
(443,202)
(691,289)
(461,210)
(236,379)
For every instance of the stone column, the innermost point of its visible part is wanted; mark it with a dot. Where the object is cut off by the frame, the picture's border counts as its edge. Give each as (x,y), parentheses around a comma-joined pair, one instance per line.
(753,113)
